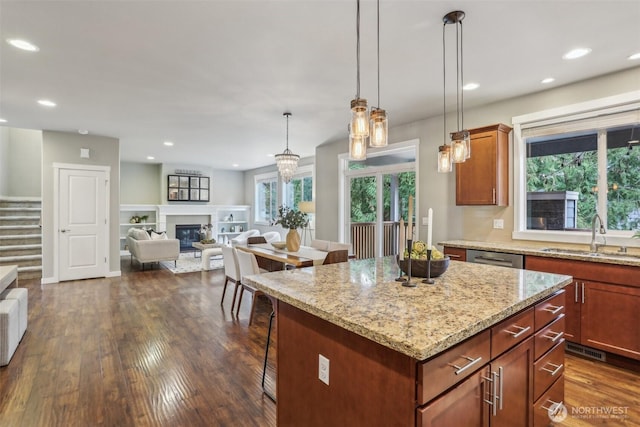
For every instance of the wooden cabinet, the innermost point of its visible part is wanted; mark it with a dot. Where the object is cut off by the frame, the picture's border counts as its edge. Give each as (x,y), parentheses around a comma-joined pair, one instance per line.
(455,254)
(483,179)
(601,315)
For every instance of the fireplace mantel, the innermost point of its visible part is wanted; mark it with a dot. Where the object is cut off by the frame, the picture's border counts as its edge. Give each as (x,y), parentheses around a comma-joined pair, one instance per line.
(184,210)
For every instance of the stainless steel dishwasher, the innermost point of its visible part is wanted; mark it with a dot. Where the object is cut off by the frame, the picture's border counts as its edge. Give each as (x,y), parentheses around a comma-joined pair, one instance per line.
(495,258)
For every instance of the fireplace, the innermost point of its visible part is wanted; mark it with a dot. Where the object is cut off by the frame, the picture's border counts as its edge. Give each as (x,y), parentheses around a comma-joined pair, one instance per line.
(187,234)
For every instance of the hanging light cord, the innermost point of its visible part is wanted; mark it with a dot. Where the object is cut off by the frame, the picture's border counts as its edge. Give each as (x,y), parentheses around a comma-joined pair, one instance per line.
(378,10)
(444,86)
(358,49)
(287,115)
(457,76)
(461,77)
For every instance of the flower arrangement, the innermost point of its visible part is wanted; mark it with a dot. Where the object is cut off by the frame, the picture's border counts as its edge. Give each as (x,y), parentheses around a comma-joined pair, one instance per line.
(291,218)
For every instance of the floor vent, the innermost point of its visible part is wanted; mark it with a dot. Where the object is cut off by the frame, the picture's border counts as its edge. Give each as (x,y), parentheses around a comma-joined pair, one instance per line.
(586,351)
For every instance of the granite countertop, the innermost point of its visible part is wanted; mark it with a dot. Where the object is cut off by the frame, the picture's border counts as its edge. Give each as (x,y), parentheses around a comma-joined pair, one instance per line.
(363,297)
(574,252)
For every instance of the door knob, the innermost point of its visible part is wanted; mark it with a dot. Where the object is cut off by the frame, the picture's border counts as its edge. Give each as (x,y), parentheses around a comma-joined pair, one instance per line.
(64,230)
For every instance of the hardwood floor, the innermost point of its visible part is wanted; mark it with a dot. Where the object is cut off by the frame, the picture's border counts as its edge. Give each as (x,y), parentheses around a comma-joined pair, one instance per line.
(152,348)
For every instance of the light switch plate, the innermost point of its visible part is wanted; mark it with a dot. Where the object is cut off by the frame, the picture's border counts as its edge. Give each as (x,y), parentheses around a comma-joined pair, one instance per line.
(84,153)
(498,223)
(323,369)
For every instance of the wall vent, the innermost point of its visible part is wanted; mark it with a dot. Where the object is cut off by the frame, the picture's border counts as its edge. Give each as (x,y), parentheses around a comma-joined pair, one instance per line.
(587,351)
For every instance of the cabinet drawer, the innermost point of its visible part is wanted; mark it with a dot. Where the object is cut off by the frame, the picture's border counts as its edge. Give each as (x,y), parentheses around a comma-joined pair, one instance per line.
(548,337)
(549,309)
(552,399)
(548,369)
(447,369)
(511,331)
(455,254)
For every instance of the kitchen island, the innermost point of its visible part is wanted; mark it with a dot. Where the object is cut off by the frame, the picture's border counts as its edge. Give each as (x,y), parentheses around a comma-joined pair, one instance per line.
(394,353)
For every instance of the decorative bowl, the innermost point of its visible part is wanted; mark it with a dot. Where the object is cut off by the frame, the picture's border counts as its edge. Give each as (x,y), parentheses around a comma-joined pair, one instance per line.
(419,266)
(279,245)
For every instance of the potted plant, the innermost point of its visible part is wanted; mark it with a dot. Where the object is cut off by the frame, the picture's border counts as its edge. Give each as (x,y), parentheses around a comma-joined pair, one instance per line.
(292,219)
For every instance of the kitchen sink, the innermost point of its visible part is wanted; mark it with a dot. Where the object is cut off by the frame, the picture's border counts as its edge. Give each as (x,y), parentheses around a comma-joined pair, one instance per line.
(585,252)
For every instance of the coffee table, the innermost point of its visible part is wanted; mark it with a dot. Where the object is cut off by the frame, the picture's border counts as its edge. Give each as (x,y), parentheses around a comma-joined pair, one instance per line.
(202,246)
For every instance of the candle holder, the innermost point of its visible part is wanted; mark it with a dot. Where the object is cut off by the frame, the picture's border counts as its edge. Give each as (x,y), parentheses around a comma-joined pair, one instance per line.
(429,280)
(407,281)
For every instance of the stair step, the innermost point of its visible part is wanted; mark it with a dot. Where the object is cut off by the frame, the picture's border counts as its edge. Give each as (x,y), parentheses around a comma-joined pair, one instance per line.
(19,247)
(21,218)
(20,236)
(18,258)
(19,208)
(20,227)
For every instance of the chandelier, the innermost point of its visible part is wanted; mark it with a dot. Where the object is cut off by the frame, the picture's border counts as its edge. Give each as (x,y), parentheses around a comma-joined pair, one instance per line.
(459,147)
(287,162)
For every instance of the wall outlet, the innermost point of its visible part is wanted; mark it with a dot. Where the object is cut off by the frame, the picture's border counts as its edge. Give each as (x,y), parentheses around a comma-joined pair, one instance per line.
(323,369)
(425,220)
(498,223)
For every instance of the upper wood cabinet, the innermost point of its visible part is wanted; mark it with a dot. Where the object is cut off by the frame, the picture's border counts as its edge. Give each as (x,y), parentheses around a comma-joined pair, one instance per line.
(484,178)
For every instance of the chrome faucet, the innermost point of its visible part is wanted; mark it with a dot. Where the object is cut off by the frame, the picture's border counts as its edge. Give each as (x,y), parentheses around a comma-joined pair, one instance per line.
(594,246)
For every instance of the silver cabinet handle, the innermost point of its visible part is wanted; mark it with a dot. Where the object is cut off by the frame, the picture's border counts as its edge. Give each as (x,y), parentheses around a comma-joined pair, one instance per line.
(554,336)
(461,369)
(522,330)
(501,375)
(555,370)
(576,293)
(553,309)
(582,292)
(492,393)
(452,256)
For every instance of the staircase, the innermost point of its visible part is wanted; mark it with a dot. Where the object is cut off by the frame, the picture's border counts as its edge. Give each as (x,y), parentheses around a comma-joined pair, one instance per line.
(21,235)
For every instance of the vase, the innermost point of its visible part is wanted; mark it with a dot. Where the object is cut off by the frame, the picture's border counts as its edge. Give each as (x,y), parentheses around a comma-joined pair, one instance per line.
(293,240)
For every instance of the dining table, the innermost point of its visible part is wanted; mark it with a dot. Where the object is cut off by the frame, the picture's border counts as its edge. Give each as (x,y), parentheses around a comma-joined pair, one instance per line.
(273,259)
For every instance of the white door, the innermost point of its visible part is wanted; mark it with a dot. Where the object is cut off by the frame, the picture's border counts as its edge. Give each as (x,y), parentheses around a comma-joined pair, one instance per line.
(82,224)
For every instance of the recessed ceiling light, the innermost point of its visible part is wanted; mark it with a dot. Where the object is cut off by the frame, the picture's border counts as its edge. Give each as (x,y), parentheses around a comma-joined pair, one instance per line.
(235,165)
(83,131)
(634,56)
(576,53)
(470,86)
(3,121)
(150,158)
(168,143)
(46,103)
(23,44)
(547,80)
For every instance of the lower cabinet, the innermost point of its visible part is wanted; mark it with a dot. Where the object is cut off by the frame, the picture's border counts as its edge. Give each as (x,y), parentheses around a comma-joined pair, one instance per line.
(598,314)
(525,367)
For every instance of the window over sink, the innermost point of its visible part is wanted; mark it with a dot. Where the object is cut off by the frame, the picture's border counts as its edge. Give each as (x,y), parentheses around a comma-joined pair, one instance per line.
(576,161)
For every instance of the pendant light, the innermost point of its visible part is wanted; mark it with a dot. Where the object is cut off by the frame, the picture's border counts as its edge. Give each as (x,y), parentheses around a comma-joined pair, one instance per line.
(379,122)
(287,162)
(460,142)
(359,125)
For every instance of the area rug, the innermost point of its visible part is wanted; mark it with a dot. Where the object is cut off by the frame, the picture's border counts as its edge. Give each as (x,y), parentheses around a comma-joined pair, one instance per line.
(188,263)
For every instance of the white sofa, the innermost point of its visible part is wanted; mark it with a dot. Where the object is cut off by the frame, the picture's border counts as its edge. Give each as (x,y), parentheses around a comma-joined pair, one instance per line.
(145,249)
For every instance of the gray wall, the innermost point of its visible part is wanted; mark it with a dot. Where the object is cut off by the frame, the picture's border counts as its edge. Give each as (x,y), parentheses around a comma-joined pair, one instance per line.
(140,183)
(438,190)
(63,147)
(226,186)
(20,162)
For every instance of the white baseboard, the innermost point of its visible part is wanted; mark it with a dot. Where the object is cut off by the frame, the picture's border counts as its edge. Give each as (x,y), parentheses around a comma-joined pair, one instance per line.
(115,273)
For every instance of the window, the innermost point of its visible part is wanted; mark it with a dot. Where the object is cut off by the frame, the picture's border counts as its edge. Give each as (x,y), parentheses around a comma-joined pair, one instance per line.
(300,189)
(574,162)
(266,197)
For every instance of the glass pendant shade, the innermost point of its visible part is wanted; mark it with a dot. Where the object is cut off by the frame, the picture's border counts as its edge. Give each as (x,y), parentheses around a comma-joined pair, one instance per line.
(379,128)
(444,159)
(459,142)
(359,118)
(357,147)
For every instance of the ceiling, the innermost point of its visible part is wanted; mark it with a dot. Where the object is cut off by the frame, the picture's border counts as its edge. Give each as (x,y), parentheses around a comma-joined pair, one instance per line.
(214,77)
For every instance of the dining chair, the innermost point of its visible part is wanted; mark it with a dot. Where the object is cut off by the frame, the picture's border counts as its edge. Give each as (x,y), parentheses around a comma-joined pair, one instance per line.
(339,255)
(231,271)
(248,265)
(254,240)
